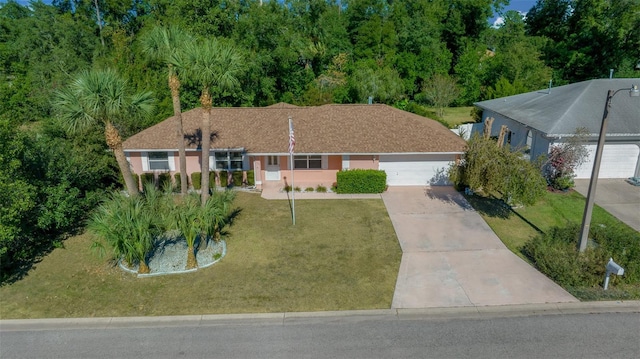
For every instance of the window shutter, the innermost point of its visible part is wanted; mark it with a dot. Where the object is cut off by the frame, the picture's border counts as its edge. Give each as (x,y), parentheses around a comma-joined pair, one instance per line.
(172,162)
(345,162)
(145,161)
(325,162)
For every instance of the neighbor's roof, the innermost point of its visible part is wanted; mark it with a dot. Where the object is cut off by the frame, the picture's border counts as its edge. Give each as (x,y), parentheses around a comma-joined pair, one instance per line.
(321,129)
(563,109)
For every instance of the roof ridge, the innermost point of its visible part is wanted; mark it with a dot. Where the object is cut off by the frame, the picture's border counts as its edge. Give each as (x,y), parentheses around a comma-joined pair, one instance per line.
(573,104)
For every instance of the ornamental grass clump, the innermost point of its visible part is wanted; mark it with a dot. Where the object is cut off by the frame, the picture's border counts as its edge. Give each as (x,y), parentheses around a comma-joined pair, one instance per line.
(128,226)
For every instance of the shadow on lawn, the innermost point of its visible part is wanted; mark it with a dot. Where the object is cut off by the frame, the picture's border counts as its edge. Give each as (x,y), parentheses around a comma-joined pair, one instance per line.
(497,208)
(12,271)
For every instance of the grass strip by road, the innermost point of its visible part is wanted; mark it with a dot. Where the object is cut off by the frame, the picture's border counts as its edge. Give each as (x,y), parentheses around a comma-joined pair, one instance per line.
(341,255)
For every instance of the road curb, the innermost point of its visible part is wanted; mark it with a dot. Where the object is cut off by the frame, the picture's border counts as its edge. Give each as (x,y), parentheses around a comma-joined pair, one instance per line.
(470,312)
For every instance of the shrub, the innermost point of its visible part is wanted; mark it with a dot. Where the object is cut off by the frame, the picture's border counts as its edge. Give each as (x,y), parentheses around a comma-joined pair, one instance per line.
(196,180)
(147,178)
(237,178)
(321,189)
(361,181)
(176,179)
(251,180)
(308,189)
(223,178)
(555,254)
(287,188)
(297,189)
(164,180)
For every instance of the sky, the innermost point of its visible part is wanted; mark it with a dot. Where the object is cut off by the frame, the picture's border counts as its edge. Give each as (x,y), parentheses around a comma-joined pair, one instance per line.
(519,5)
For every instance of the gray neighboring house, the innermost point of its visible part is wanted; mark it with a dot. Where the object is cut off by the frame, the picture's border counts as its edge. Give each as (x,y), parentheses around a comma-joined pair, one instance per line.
(543,118)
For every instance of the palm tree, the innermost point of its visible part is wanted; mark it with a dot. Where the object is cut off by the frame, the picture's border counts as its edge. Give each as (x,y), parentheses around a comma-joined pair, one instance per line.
(216,215)
(213,64)
(100,98)
(186,215)
(164,44)
(128,226)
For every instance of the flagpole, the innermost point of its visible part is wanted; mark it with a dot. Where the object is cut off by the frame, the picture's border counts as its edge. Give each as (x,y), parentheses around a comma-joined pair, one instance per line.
(293,196)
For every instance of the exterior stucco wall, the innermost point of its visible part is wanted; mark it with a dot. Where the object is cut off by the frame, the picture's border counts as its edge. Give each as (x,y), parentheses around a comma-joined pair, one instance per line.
(519,133)
(365,162)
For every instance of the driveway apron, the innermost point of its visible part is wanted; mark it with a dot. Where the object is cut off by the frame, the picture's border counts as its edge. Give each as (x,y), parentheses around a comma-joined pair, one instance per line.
(451,258)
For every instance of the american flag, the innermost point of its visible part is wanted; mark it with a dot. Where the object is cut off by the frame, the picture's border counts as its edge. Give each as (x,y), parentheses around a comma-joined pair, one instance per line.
(292,139)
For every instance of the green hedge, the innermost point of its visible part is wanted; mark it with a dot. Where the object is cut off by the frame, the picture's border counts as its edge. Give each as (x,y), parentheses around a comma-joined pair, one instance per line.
(361,181)
(196,178)
(164,179)
(251,180)
(223,178)
(237,178)
(178,182)
(147,178)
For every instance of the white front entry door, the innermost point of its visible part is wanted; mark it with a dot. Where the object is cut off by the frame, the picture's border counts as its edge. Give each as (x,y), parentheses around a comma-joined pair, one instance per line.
(272,169)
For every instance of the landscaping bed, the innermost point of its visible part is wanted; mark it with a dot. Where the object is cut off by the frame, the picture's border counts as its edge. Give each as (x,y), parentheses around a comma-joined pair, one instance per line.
(340,255)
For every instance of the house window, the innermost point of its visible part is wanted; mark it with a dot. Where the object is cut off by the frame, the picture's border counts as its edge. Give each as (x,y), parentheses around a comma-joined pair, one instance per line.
(273,161)
(307,162)
(158,161)
(228,160)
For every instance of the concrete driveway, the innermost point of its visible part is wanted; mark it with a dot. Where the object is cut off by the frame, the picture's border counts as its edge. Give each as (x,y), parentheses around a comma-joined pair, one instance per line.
(451,258)
(617,197)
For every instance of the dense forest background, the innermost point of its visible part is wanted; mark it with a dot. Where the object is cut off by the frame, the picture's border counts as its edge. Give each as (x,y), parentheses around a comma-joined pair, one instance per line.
(301,52)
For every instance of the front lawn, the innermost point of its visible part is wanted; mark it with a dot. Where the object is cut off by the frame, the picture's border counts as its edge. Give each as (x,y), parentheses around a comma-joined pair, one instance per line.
(341,255)
(517,226)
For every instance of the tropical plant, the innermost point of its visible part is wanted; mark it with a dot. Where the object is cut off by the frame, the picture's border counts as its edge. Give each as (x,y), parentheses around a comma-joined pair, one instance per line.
(128,226)
(216,215)
(100,98)
(164,44)
(213,64)
(185,217)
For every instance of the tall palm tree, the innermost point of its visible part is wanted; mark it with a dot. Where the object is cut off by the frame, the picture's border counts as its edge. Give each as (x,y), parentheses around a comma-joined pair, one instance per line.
(100,98)
(164,44)
(213,64)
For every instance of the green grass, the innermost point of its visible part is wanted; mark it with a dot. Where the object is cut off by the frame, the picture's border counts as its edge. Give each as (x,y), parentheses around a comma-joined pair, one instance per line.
(516,227)
(341,255)
(456,115)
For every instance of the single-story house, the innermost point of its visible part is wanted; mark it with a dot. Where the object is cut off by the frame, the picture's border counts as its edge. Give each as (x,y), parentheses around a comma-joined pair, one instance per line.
(538,120)
(411,149)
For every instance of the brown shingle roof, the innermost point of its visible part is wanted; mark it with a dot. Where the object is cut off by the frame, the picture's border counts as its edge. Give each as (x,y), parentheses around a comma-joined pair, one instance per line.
(322,129)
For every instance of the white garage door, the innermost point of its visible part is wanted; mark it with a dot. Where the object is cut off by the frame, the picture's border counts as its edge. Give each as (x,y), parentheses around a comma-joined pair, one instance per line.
(415,170)
(618,161)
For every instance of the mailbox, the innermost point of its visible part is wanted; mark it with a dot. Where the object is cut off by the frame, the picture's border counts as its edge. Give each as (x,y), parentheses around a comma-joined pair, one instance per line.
(614,268)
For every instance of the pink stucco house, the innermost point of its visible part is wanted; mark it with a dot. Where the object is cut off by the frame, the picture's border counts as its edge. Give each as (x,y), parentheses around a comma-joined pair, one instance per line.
(411,149)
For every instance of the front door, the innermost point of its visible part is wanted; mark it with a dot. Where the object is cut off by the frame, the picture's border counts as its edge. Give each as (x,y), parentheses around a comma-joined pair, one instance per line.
(272,170)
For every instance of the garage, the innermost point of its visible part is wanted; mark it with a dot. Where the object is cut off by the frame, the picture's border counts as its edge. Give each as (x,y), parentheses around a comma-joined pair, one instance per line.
(416,170)
(618,161)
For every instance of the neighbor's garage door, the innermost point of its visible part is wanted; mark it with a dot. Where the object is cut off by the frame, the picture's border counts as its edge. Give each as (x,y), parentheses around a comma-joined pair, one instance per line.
(618,161)
(416,170)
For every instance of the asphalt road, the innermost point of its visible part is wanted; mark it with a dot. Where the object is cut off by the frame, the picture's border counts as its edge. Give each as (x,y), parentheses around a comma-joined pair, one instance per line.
(606,335)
